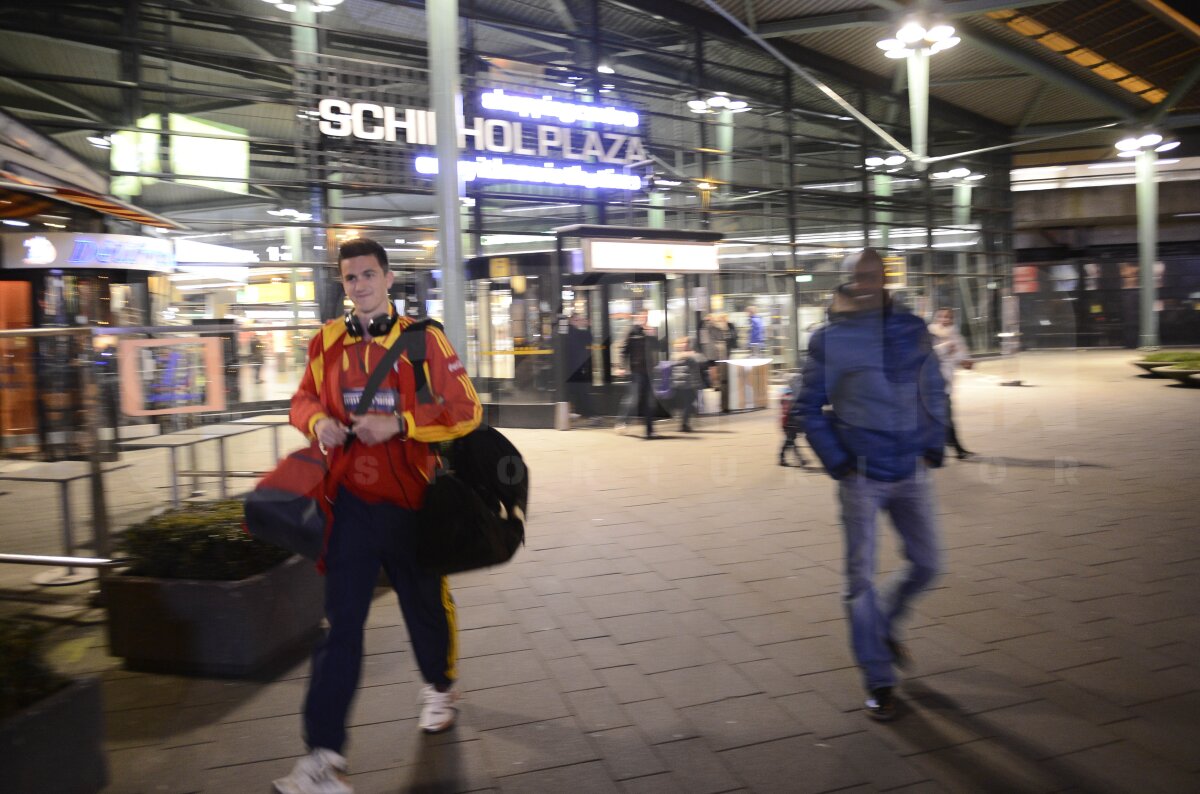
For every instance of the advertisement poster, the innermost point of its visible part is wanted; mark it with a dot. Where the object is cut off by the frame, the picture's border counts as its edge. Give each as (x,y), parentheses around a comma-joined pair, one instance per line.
(171,376)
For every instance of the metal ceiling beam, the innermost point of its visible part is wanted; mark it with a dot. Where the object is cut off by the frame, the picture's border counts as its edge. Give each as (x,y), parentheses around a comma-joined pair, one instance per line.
(1177,122)
(565,13)
(62,102)
(713,25)
(882,16)
(1178,92)
(985,41)
(1172,17)
(976,78)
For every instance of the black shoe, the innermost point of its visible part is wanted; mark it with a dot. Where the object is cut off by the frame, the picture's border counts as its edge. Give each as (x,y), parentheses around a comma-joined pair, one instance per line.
(782,461)
(964,454)
(881,705)
(900,655)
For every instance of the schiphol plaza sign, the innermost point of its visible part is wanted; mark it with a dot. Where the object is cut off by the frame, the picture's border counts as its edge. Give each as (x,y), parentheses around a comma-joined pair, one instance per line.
(526,127)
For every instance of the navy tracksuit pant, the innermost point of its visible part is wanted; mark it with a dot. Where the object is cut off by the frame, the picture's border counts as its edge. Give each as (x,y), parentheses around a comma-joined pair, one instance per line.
(364,537)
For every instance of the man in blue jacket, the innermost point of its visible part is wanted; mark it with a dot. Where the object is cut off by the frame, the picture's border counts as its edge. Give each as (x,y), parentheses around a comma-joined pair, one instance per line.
(873,364)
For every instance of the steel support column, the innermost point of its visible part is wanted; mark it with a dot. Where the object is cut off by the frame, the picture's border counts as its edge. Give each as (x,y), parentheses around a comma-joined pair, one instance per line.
(918,104)
(1147,217)
(446,94)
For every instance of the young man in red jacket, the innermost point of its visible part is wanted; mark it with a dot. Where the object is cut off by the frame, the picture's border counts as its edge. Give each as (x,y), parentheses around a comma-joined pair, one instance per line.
(374,513)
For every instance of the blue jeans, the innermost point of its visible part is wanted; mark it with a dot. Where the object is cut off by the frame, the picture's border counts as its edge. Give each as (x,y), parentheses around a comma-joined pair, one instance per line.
(364,537)
(873,612)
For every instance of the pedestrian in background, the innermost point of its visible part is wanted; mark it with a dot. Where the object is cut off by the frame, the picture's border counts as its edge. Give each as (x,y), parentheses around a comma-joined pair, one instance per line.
(757,338)
(579,365)
(874,366)
(792,427)
(687,378)
(952,352)
(638,354)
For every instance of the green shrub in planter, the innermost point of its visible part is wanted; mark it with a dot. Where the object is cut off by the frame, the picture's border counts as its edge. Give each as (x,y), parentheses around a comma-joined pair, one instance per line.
(200,541)
(1190,362)
(25,677)
(1172,355)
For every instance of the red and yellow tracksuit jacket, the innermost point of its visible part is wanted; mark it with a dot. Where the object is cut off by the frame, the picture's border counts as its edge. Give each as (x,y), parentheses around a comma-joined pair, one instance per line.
(397,470)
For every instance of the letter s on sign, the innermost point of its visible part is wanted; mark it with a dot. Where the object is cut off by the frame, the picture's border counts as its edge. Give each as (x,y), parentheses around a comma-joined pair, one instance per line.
(335,117)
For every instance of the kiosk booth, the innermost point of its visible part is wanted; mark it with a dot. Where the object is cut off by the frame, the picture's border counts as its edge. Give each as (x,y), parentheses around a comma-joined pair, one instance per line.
(521,309)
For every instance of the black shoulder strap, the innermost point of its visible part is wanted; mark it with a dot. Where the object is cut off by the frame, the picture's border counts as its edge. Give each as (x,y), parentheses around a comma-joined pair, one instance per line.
(415,345)
(413,342)
(389,359)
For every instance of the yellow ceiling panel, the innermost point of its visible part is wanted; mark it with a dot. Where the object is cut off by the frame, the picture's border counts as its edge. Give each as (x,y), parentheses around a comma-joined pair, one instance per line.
(1135,84)
(1077,54)
(1027,26)
(1085,57)
(1110,71)
(1058,42)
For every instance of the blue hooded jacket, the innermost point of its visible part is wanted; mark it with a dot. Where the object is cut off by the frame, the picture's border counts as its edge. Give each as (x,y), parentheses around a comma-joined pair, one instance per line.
(877,369)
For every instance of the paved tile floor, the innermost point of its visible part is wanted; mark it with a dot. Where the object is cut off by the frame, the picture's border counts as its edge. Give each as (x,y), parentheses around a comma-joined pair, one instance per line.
(674,624)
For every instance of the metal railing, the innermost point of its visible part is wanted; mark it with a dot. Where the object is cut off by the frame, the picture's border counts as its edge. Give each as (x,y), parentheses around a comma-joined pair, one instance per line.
(54,377)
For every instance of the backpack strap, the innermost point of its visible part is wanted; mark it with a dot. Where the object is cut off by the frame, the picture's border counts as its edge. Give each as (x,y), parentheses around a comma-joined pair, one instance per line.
(415,345)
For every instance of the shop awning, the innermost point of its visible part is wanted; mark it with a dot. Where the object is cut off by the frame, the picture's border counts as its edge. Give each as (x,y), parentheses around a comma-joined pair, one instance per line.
(24,198)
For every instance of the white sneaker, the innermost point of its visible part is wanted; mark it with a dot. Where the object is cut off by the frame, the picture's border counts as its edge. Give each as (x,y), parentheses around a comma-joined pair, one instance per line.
(438,711)
(322,771)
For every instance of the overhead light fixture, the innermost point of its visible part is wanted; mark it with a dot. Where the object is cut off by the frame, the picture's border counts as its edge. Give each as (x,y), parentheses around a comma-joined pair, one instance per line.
(317,5)
(100,141)
(915,35)
(960,173)
(892,160)
(1144,141)
(13,222)
(295,215)
(604,68)
(716,103)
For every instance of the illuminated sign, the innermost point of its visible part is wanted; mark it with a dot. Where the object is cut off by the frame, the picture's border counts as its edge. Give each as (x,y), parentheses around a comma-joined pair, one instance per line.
(87,251)
(649,255)
(39,251)
(551,143)
(895,272)
(216,150)
(572,176)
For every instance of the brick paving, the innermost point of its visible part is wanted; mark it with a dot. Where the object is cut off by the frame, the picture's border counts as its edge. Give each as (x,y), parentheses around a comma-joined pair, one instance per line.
(674,624)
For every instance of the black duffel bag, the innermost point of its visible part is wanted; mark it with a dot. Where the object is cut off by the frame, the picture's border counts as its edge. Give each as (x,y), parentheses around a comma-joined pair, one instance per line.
(474,511)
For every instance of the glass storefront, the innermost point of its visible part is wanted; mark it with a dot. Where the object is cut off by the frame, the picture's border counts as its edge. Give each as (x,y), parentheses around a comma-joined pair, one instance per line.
(284,160)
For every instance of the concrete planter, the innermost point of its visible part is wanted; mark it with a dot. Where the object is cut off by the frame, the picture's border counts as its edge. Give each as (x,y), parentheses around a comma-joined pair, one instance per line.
(1185,376)
(212,627)
(1152,367)
(56,746)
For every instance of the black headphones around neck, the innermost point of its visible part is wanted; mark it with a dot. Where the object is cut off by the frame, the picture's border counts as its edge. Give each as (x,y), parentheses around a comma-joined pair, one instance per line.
(379,326)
